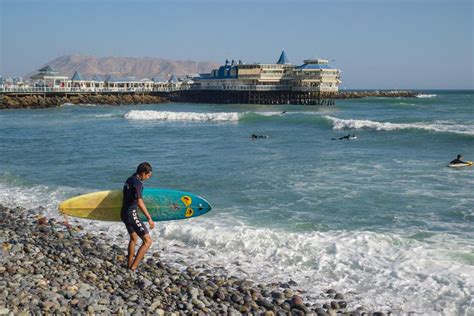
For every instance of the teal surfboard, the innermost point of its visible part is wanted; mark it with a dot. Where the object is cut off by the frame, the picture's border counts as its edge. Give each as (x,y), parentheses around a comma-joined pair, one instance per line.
(162,204)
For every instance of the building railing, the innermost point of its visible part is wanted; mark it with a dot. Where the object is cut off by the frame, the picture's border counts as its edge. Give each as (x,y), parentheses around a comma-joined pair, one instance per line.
(87,90)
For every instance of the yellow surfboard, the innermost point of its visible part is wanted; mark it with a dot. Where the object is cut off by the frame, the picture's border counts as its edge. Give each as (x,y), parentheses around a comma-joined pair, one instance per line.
(162,204)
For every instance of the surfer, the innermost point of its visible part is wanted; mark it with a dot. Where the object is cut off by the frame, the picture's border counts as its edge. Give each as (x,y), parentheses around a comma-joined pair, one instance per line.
(344,137)
(254,136)
(457,160)
(132,200)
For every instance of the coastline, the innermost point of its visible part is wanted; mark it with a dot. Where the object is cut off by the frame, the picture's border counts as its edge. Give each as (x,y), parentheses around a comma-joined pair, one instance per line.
(46,268)
(49,100)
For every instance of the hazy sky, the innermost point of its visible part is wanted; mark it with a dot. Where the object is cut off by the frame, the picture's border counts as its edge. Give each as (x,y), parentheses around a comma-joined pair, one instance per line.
(376,43)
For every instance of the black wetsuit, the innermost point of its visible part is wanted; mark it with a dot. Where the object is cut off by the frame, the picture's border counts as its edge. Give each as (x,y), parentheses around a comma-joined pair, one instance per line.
(456,161)
(132,191)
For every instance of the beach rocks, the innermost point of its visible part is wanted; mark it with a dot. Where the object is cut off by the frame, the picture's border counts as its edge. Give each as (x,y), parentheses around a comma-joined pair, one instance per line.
(45,269)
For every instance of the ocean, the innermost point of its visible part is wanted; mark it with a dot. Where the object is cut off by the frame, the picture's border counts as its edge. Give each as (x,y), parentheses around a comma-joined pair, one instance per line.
(380,217)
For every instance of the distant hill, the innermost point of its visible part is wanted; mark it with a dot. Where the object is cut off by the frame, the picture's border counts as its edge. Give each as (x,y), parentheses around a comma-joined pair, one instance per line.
(146,67)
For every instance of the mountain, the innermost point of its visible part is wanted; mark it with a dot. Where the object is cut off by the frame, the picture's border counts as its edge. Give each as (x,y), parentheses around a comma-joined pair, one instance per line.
(146,67)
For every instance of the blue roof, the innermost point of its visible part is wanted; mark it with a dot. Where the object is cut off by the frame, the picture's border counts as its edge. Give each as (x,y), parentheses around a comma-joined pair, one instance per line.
(173,79)
(224,72)
(315,66)
(46,69)
(77,76)
(283,59)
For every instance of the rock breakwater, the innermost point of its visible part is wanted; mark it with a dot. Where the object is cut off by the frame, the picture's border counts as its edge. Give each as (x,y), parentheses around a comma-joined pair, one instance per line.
(376,94)
(46,268)
(38,101)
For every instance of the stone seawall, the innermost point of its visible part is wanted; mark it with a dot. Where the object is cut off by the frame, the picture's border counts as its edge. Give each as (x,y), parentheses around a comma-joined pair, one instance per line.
(375,93)
(47,101)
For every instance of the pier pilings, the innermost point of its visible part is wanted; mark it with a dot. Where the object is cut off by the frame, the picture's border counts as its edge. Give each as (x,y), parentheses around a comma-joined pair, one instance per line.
(254,97)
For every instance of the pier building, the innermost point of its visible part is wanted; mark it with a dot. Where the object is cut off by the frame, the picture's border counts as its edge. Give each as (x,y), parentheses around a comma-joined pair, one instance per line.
(314,75)
(49,78)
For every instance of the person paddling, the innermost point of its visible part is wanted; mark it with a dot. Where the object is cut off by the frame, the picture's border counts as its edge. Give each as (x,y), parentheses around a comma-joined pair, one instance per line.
(457,160)
(132,200)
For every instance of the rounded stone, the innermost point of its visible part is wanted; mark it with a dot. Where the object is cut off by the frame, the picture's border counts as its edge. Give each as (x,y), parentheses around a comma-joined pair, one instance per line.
(339,296)
(296,300)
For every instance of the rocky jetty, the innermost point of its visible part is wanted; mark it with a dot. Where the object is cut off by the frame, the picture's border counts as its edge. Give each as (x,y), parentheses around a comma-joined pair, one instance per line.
(35,101)
(376,94)
(46,268)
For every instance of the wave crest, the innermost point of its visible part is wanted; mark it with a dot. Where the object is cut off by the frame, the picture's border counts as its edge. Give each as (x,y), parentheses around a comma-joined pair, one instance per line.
(181,116)
(425,96)
(438,126)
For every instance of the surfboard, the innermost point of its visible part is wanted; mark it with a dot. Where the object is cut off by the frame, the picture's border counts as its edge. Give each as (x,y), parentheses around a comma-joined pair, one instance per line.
(162,204)
(460,165)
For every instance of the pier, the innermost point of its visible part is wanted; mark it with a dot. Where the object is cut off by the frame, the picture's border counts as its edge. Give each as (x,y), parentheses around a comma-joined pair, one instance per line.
(44,99)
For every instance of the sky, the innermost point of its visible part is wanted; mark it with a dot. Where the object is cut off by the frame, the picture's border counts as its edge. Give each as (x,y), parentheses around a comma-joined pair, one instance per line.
(377,44)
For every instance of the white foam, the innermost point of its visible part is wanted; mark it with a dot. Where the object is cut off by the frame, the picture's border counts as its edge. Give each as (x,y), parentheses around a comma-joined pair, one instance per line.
(182,116)
(425,96)
(387,271)
(105,115)
(269,113)
(437,126)
(13,193)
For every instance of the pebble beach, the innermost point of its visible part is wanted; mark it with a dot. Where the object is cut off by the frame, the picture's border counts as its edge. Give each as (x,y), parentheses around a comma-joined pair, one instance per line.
(48,268)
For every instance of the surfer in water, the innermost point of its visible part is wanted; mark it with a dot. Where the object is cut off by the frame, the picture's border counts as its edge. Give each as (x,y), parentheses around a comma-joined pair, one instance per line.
(348,136)
(457,160)
(254,136)
(132,200)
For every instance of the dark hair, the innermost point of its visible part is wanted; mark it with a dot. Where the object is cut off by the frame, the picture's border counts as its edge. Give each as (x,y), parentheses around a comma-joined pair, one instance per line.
(144,167)
(459,156)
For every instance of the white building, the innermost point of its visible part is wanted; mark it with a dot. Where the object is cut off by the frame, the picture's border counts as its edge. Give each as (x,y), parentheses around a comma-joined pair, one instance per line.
(49,79)
(314,75)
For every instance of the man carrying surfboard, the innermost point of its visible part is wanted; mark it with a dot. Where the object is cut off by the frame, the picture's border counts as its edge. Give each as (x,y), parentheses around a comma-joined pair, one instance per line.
(132,200)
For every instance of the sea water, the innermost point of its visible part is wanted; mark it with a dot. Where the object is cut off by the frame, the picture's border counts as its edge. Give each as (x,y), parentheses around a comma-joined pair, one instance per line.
(380,218)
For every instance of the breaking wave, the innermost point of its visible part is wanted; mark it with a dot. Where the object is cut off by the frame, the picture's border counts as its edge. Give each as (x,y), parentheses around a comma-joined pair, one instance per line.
(437,126)
(198,116)
(182,116)
(425,96)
